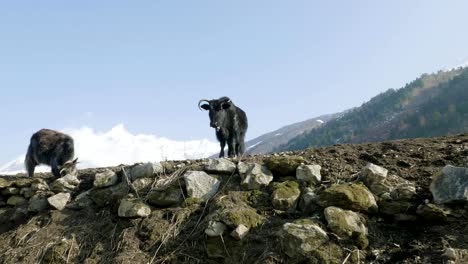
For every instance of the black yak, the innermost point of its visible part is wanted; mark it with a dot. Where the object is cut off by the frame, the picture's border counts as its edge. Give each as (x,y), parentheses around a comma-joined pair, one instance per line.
(51,148)
(230,123)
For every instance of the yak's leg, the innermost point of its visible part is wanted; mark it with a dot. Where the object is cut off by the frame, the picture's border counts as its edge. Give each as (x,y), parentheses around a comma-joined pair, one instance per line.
(30,165)
(231,148)
(55,168)
(222,143)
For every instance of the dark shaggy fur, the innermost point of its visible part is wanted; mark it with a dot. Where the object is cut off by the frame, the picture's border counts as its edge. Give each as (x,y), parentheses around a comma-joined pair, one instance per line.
(230,123)
(51,148)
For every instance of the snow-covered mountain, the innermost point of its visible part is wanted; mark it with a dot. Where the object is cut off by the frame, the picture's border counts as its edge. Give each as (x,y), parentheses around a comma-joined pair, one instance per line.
(119,146)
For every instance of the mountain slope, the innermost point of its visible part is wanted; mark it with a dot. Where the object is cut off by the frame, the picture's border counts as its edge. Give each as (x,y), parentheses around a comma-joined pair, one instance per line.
(268,142)
(432,105)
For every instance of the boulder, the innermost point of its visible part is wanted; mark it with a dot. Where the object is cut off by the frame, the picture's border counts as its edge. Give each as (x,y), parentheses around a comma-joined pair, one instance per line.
(283,166)
(59,201)
(82,200)
(4,183)
(347,224)
(404,191)
(165,198)
(144,170)
(300,240)
(40,186)
(105,179)
(432,213)
(67,183)
(220,166)
(10,191)
(307,202)
(354,196)
(374,177)
(142,185)
(133,208)
(286,195)
(450,185)
(309,173)
(201,185)
(37,204)
(240,232)
(254,176)
(27,192)
(215,229)
(16,200)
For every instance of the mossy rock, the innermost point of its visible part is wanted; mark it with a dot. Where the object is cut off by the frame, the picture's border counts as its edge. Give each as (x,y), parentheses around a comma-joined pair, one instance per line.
(353,196)
(432,213)
(257,198)
(242,215)
(285,195)
(283,166)
(165,198)
(328,253)
(391,207)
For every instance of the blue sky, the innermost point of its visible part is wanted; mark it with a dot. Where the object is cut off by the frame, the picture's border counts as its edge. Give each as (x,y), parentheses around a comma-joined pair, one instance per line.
(68,64)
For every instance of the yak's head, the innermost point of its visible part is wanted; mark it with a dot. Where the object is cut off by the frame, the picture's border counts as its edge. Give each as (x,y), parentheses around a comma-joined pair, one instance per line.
(217,111)
(69,167)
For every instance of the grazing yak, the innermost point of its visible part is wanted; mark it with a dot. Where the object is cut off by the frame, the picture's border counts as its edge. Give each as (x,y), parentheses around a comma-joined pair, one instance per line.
(230,123)
(52,148)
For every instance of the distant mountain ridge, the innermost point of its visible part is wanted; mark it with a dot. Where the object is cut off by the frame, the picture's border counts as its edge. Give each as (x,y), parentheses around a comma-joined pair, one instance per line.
(432,105)
(268,142)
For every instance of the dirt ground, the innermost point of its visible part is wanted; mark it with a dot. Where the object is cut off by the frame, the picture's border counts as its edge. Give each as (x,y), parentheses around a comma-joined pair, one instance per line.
(176,235)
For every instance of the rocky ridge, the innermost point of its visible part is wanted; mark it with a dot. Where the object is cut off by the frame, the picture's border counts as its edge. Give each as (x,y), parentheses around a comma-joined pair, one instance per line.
(399,201)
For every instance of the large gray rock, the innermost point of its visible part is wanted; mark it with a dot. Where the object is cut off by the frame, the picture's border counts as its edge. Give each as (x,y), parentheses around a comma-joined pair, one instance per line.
(10,191)
(254,176)
(374,177)
(59,201)
(40,186)
(144,170)
(201,185)
(27,192)
(67,183)
(81,201)
(432,213)
(309,173)
(404,191)
(348,196)
(142,185)
(16,200)
(105,196)
(286,195)
(165,198)
(222,166)
(215,229)
(347,224)
(450,185)
(105,179)
(307,202)
(299,240)
(37,204)
(5,183)
(132,208)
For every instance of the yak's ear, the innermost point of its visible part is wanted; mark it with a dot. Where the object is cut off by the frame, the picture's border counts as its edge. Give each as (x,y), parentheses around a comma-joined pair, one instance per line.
(226,105)
(205,106)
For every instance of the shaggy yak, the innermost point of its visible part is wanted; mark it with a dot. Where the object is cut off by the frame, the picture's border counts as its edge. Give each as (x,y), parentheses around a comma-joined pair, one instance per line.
(230,123)
(51,148)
